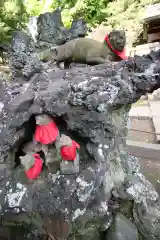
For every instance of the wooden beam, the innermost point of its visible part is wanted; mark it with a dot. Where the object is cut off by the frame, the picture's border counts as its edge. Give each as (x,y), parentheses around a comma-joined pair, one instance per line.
(152,37)
(154,27)
(145,150)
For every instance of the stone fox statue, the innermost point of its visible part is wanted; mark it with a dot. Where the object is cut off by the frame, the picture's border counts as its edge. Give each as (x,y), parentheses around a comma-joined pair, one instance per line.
(90,51)
(86,50)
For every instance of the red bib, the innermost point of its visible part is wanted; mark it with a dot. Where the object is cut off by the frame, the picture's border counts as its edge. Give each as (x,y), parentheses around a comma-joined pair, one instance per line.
(69,152)
(46,134)
(35,171)
(122,54)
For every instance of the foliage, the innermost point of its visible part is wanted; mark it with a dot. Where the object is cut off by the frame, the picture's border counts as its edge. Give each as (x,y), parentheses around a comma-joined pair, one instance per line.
(14,14)
(90,10)
(12,17)
(127,15)
(115,14)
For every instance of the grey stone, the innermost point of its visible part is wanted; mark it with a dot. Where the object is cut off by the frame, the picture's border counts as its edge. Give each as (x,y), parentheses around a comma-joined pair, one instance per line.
(23,61)
(147,219)
(10,159)
(122,229)
(33,65)
(21,42)
(23,104)
(51,28)
(78,28)
(52,160)
(70,167)
(35,109)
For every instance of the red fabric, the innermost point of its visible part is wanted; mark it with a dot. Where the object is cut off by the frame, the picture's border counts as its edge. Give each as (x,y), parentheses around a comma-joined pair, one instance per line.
(46,134)
(35,171)
(69,152)
(122,54)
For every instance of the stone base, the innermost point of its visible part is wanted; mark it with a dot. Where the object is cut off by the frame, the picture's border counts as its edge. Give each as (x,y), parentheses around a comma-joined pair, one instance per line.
(122,229)
(70,167)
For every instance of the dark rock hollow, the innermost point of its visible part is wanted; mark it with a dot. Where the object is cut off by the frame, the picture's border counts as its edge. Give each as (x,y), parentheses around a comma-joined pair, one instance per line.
(91,105)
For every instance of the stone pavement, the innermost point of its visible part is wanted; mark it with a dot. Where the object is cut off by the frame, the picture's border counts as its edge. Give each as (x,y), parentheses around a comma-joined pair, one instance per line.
(147,110)
(145,116)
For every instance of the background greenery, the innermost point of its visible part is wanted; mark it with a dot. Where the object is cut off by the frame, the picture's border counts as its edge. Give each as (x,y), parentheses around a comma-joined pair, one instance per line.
(115,14)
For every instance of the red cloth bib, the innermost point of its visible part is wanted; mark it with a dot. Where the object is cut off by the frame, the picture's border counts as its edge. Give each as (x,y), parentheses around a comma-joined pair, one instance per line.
(69,152)
(35,171)
(122,54)
(46,134)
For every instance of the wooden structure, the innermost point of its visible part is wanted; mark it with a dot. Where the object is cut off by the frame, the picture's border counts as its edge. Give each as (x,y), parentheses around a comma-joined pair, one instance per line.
(151,32)
(152,23)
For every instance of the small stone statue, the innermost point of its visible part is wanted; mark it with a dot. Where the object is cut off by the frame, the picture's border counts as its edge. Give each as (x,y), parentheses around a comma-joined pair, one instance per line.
(10,158)
(69,155)
(64,141)
(32,164)
(27,161)
(115,42)
(46,132)
(52,160)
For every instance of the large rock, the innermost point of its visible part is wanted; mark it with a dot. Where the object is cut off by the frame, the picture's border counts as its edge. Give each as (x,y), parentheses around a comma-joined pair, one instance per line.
(51,29)
(23,60)
(122,229)
(44,32)
(90,104)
